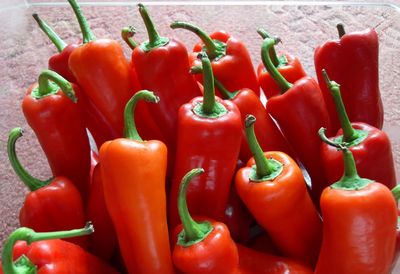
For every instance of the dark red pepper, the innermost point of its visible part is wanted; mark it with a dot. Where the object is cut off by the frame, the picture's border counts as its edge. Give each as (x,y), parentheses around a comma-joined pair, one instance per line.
(209,134)
(51,205)
(353,62)
(229,57)
(51,110)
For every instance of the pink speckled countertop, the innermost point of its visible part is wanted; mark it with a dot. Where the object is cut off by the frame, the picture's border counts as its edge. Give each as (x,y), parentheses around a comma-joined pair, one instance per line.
(301,25)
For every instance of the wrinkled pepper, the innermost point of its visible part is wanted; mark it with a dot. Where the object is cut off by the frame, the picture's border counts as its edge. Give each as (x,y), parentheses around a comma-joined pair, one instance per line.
(274,190)
(202,247)
(51,205)
(270,137)
(299,111)
(370,146)
(360,219)
(286,63)
(51,110)
(162,66)
(209,134)
(133,174)
(230,59)
(353,62)
(36,252)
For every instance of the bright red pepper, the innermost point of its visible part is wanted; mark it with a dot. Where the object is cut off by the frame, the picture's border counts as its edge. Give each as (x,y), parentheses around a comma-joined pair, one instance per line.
(209,134)
(45,253)
(51,205)
(204,247)
(360,219)
(370,146)
(51,111)
(133,174)
(273,189)
(286,63)
(353,62)
(299,111)
(229,57)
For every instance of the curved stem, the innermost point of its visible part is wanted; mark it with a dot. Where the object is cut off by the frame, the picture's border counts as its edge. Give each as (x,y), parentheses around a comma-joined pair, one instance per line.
(341,31)
(349,133)
(83,24)
(45,88)
(31,182)
(127,33)
(213,49)
(193,231)
(155,40)
(30,236)
(130,130)
(208,82)
(51,34)
(272,53)
(396,192)
(273,71)
(322,135)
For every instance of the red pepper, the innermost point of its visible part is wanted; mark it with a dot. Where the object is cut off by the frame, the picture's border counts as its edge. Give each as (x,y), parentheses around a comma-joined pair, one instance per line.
(204,247)
(299,111)
(103,242)
(286,63)
(51,111)
(360,219)
(133,174)
(209,134)
(101,69)
(46,254)
(229,57)
(273,189)
(353,62)
(162,65)
(370,146)
(270,137)
(51,205)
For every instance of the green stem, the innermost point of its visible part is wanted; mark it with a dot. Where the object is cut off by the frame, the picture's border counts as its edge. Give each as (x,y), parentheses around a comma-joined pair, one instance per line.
(155,40)
(46,88)
(272,53)
(192,232)
(26,234)
(87,33)
(130,130)
(341,31)
(127,33)
(272,70)
(266,169)
(31,182)
(214,49)
(350,179)
(53,36)
(396,192)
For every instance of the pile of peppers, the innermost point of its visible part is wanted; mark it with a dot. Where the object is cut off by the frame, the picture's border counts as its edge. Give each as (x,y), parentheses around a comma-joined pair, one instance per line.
(196,162)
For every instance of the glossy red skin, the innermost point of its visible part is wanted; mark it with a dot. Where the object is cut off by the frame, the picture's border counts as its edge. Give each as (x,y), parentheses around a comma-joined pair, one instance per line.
(268,135)
(103,241)
(57,206)
(300,112)
(352,62)
(359,230)
(165,71)
(254,262)
(61,257)
(216,254)
(210,143)
(105,76)
(292,72)
(59,62)
(59,127)
(235,70)
(283,207)
(373,157)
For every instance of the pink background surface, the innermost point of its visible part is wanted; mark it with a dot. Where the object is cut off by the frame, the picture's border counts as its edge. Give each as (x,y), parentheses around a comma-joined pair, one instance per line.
(24,52)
